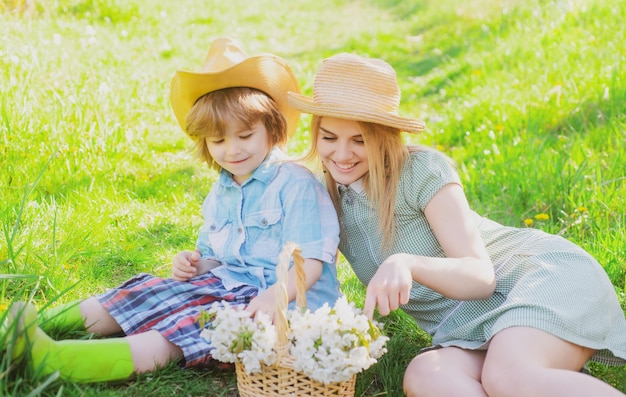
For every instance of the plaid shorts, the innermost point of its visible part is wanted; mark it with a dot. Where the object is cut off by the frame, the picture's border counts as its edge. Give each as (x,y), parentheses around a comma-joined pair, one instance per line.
(171,307)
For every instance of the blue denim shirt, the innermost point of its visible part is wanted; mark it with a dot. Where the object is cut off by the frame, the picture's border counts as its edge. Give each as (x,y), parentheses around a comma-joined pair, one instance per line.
(245,227)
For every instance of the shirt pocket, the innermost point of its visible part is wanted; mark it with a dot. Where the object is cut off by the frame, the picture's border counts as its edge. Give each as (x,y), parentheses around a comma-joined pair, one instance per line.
(216,231)
(264,233)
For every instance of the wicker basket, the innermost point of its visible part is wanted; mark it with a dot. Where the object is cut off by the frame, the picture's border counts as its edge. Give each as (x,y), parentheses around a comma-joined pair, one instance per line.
(280,379)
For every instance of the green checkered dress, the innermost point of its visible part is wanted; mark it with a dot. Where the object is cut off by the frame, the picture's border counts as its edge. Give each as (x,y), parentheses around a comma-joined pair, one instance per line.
(543,281)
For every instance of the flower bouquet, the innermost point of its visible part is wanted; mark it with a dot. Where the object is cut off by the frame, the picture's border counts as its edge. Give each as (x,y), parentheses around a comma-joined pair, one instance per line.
(304,353)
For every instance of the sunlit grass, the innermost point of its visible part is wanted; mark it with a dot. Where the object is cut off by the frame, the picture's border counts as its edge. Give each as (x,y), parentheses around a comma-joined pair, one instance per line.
(97,183)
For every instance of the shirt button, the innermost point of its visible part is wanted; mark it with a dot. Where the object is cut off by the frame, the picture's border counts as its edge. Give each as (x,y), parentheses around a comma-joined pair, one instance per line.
(212,227)
(263,222)
(239,230)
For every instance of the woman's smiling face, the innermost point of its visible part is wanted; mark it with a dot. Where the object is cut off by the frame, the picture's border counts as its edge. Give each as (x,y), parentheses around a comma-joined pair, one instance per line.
(342,150)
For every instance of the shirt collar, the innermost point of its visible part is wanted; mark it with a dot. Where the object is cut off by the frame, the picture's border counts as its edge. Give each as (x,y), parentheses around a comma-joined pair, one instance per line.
(265,172)
(357,186)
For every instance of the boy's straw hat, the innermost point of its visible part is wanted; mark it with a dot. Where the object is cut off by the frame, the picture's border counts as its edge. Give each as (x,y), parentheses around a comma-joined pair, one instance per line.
(226,66)
(349,86)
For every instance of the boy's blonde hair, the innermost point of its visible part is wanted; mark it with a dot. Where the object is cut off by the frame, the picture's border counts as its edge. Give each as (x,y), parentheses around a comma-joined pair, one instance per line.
(213,112)
(386,154)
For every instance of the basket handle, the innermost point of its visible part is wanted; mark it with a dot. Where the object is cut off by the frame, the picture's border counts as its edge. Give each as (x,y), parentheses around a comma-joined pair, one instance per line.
(282,326)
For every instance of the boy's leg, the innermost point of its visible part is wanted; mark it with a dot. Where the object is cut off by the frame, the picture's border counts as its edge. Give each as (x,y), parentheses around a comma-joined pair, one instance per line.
(98,360)
(88,314)
(150,350)
(97,318)
(65,316)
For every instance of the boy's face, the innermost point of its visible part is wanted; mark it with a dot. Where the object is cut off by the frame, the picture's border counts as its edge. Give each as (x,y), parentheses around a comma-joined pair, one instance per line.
(241,150)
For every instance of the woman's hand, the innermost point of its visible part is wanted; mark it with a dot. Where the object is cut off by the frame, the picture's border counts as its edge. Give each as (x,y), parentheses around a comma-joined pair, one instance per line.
(391,285)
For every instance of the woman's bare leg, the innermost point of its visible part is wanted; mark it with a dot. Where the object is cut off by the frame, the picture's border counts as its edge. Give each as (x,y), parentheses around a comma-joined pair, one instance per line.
(528,362)
(448,371)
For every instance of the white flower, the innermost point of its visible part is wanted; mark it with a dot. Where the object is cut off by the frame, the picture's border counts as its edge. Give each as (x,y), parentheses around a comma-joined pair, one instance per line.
(333,344)
(235,336)
(328,345)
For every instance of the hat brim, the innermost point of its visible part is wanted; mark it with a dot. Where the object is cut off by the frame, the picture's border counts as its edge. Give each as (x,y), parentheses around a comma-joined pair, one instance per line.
(308,105)
(267,73)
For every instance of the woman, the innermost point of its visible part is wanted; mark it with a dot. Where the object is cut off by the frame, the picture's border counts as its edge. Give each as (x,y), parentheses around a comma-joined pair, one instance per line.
(512,312)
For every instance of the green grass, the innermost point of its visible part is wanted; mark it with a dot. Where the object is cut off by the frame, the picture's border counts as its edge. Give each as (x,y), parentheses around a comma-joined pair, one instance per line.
(97,182)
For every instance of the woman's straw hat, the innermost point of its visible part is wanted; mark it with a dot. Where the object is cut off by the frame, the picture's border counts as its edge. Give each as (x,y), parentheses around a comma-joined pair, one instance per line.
(226,66)
(349,86)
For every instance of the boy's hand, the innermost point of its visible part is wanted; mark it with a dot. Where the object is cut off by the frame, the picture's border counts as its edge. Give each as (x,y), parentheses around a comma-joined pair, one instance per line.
(265,303)
(185,265)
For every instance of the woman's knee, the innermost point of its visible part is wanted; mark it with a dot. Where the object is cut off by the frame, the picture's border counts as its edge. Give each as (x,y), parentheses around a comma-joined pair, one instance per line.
(500,381)
(445,371)
(418,377)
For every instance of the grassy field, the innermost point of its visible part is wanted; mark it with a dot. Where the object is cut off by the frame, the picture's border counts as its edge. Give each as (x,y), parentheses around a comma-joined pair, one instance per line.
(97,182)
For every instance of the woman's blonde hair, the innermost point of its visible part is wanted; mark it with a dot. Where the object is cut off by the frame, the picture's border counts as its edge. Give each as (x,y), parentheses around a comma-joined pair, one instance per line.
(386,154)
(213,112)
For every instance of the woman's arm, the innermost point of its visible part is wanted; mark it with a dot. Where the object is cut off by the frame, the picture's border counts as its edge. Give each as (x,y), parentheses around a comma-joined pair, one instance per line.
(465,273)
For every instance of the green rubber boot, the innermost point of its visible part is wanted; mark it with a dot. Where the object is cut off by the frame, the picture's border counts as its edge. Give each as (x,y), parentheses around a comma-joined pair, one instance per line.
(63,317)
(80,361)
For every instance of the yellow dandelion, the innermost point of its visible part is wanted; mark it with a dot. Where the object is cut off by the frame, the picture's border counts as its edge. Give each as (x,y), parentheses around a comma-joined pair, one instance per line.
(542,217)
(582,209)
(440,147)
(528,221)
(4,306)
